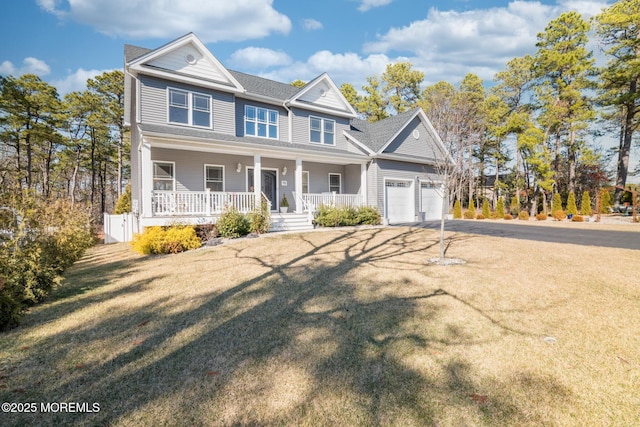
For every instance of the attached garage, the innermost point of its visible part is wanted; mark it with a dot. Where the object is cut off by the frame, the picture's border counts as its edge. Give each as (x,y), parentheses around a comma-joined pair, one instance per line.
(430,200)
(399,199)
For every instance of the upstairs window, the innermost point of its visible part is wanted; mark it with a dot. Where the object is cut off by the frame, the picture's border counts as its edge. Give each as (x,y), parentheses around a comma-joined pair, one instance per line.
(189,108)
(260,122)
(321,130)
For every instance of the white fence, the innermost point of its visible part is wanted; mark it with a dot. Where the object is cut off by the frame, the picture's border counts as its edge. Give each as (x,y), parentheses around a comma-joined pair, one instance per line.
(118,228)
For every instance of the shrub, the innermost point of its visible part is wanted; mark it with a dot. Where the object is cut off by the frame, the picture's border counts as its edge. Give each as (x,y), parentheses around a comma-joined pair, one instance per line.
(523,215)
(572,209)
(123,205)
(469,215)
(558,215)
(577,218)
(233,223)
(486,212)
(508,217)
(500,207)
(541,217)
(494,215)
(368,215)
(585,204)
(260,219)
(284,203)
(514,207)
(457,210)
(556,204)
(472,208)
(329,216)
(169,240)
(605,201)
(479,216)
(206,232)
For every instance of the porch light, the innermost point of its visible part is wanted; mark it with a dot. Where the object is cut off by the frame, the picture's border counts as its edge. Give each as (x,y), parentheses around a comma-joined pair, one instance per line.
(239,167)
(284,171)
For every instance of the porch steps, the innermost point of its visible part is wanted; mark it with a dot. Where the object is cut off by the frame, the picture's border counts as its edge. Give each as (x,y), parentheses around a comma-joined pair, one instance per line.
(290,222)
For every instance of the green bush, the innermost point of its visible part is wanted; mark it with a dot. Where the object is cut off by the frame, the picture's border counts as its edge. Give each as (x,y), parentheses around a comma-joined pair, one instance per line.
(472,208)
(514,207)
(169,240)
(233,224)
(328,216)
(572,208)
(123,205)
(556,204)
(523,216)
(605,201)
(260,219)
(457,210)
(486,211)
(500,207)
(585,204)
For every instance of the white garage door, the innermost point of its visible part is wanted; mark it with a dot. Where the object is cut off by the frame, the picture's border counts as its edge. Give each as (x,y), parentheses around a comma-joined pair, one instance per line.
(399,201)
(430,200)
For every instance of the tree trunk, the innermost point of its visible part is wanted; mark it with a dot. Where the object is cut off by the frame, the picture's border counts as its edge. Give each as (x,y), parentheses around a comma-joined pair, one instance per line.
(625,148)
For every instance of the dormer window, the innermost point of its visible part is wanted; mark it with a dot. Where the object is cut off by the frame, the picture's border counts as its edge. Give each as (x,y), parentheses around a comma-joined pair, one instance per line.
(260,122)
(321,130)
(189,108)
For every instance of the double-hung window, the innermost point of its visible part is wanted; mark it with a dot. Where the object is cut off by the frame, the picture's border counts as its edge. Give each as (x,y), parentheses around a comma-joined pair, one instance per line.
(260,122)
(189,108)
(163,176)
(321,130)
(214,177)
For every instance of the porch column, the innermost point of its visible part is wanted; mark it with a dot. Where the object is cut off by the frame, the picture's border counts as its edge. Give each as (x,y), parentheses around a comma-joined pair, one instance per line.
(363,182)
(146,193)
(299,207)
(257,178)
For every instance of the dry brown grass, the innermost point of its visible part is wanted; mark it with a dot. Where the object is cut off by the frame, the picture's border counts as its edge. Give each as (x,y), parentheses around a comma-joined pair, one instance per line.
(337,328)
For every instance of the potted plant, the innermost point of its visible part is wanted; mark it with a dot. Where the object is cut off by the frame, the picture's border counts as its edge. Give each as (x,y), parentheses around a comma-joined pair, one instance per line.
(284,204)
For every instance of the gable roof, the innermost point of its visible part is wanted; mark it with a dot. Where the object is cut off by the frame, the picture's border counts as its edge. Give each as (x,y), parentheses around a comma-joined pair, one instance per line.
(322,94)
(185,59)
(377,136)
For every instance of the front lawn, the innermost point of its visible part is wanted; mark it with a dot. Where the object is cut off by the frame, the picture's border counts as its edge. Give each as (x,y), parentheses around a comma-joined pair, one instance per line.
(338,327)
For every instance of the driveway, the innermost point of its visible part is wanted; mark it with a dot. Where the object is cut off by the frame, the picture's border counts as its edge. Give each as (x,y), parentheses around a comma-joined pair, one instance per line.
(606,238)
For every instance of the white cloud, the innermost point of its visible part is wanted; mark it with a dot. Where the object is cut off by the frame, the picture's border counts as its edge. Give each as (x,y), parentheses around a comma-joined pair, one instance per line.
(479,41)
(258,58)
(311,24)
(211,20)
(76,81)
(30,65)
(370,4)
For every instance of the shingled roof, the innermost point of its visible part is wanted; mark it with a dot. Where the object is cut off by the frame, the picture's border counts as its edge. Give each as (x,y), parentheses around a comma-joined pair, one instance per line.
(376,135)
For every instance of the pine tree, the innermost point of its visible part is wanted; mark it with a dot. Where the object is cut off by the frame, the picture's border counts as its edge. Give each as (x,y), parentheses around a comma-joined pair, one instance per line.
(572,209)
(585,205)
(457,210)
(500,207)
(556,205)
(472,208)
(486,212)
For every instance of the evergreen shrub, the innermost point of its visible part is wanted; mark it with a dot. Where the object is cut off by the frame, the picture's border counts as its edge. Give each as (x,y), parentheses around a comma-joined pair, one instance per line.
(523,216)
(457,210)
(585,204)
(233,223)
(541,217)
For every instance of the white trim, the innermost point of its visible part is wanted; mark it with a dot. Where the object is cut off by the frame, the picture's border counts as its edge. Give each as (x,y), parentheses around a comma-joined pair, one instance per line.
(358,143)
(329,180)
(224,180)
(324,77)
(190,107)
(153,178)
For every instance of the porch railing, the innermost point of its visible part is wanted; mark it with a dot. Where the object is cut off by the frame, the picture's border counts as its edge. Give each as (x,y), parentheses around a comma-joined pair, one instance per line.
(168,203)
(313,200)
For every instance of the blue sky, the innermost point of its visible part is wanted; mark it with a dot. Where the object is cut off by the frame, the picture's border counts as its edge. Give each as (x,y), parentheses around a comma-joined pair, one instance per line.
(68,41)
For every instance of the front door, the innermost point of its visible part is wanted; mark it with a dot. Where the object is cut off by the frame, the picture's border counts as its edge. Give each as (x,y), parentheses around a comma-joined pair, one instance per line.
(269,185)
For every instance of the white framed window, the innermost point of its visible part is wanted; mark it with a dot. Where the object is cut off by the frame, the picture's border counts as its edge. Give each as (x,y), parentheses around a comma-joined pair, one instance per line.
(260,122)
(335,182)
(322,131)
(214,177)
(305,182)
(189,108)
(164,176)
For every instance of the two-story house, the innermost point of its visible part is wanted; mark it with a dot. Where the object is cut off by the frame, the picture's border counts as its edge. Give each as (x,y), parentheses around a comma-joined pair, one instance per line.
(204,137)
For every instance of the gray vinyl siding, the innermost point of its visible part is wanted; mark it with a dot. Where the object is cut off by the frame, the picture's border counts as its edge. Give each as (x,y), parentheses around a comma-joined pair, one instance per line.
(301,128)
(351,179)
(406,144)
(153,108)
(283,122)
(189,168)
(391,169)
(319,176)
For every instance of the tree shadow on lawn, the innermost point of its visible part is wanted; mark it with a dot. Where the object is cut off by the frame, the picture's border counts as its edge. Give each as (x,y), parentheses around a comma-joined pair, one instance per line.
(302,343)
